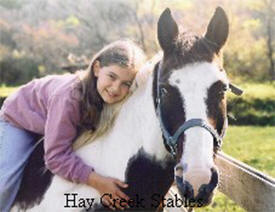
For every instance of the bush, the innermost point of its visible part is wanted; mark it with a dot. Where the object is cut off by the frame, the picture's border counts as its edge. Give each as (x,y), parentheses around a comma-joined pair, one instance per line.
(17,71)
(252,111)
(255,107)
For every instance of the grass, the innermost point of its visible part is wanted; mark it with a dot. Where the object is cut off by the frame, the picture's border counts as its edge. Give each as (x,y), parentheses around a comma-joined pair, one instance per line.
(221,203)
(253,145)
(256,91)
(255,107)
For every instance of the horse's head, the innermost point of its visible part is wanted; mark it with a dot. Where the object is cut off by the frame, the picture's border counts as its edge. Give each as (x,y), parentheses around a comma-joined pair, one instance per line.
(189,88)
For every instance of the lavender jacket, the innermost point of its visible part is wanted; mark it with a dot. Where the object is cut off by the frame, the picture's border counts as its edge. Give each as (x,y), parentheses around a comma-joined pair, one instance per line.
(49,106)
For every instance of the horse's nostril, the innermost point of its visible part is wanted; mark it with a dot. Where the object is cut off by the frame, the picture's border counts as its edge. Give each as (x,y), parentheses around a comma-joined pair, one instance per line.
(205,194)
(214,178)
(189,194)
(180,185)
(206,189)
(185,188)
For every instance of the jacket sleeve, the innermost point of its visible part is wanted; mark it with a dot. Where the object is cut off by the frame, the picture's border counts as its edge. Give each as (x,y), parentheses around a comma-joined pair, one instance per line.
(60,131)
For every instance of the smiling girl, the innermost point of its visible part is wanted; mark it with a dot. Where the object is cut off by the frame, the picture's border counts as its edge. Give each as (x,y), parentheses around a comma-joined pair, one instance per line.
(60,108)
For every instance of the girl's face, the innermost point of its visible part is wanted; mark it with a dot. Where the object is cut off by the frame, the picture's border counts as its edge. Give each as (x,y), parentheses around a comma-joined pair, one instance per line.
(113,82)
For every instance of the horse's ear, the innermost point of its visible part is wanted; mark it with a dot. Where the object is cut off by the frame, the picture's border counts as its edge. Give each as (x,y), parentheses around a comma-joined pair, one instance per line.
(217,30)
(167,31)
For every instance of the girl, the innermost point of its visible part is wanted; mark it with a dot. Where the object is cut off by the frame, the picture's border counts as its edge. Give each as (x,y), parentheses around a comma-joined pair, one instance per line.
(60,107)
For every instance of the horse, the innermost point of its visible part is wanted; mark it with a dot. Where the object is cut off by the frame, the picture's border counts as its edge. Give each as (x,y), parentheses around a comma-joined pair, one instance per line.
(175,119)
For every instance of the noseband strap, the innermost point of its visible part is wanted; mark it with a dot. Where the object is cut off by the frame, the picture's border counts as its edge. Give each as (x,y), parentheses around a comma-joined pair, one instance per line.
(172,140)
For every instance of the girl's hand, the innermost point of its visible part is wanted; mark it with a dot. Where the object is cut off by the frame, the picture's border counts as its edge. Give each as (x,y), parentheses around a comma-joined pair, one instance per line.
(109,185)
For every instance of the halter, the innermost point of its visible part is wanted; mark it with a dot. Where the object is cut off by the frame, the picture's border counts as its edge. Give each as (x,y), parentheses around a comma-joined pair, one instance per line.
(172,140)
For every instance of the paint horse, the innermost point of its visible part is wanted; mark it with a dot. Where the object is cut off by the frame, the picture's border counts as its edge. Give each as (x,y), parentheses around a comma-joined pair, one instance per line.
(176,116)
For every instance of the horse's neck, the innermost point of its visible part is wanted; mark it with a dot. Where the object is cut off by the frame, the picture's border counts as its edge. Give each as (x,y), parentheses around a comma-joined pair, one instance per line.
(138,117)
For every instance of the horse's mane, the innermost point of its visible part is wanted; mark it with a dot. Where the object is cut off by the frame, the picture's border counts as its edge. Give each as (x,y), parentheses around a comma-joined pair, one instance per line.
(110,111)
(146,71)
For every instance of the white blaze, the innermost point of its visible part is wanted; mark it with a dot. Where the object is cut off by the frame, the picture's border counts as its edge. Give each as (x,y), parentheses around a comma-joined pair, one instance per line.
(193,81)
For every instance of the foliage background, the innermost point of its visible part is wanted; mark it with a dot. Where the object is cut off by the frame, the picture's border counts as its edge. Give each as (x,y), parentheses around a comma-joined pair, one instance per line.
(38,37)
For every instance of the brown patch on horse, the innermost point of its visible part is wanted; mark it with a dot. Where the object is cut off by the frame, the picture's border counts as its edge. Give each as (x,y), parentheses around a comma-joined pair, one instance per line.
(216,106)
(212,122)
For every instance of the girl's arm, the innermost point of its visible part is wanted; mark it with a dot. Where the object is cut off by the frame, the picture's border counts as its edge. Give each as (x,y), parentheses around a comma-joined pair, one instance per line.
(60,131)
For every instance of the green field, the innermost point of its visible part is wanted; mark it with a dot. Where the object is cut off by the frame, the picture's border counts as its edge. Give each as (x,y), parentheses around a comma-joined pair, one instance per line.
(255,107)
(253,145)
(257,90)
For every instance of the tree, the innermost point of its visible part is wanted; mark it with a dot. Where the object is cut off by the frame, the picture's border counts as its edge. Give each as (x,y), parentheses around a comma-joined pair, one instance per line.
(265,11)
(270,20)
(11,4)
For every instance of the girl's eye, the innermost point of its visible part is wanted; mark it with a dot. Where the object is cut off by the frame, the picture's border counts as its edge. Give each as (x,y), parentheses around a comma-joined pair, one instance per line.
(112,76)
(128,85)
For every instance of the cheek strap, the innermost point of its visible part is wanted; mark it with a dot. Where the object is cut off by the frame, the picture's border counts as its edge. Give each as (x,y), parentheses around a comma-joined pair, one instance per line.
(236,90)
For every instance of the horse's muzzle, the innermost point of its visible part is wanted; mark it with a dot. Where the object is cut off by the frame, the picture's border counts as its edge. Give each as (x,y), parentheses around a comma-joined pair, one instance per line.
(205,193)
